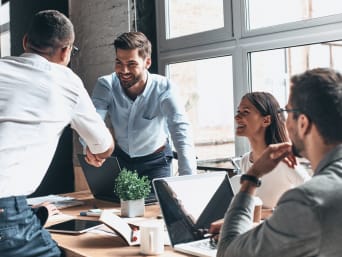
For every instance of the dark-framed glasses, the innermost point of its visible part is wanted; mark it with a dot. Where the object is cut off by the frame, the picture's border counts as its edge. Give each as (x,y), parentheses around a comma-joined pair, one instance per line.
(284,112)
(74,50)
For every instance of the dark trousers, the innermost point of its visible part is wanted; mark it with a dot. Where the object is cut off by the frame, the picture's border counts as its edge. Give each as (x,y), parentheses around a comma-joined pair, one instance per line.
(21,231)
(155,165)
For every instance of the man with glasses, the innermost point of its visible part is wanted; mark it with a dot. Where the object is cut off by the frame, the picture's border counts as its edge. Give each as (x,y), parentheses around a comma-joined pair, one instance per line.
(307,219)
(145,112)
(39,97)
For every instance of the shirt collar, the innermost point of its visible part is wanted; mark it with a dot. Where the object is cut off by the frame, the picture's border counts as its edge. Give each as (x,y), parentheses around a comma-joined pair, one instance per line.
(332,156)
(148,84)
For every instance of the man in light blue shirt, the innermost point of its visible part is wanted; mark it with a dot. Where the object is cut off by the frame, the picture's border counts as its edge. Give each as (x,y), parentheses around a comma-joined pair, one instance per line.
(145,111)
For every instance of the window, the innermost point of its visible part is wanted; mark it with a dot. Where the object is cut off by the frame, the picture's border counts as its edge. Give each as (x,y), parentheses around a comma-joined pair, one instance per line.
(264,13)
(184,23)
(259,46)
(5,42)
(206,88)
(272,69)
(189,17)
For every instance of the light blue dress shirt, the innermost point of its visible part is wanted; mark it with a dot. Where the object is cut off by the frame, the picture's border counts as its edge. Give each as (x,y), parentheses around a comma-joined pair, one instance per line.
(144,125)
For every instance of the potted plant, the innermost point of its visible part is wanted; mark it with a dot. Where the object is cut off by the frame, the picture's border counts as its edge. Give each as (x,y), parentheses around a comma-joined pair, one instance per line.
(132,190)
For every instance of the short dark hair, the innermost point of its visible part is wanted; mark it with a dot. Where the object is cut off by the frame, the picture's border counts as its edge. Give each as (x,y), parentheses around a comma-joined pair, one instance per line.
(317,93)
(267,104)
(134,40)
(48,31)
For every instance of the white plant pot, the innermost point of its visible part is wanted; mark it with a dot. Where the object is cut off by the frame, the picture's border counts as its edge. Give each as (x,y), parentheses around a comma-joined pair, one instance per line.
(132,208)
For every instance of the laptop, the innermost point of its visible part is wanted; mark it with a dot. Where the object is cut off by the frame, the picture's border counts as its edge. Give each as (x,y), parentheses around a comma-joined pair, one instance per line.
(189,204)
(101,179)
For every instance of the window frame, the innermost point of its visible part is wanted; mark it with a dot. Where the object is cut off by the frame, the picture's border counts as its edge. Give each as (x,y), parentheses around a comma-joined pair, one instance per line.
(201,38)
(240,43)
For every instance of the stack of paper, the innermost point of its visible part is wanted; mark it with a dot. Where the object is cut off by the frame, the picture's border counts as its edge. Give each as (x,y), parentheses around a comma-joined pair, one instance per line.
(60,202)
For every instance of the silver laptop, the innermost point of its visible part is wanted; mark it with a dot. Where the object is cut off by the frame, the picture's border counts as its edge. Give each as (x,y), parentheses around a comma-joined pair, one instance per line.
(189,204)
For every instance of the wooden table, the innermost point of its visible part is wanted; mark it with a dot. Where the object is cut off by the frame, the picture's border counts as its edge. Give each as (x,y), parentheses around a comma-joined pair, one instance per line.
(91,244)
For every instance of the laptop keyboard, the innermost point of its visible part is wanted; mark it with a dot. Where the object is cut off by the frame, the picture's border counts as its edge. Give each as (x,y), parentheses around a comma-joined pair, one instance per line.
(150,200)
(205,244)
(204,248)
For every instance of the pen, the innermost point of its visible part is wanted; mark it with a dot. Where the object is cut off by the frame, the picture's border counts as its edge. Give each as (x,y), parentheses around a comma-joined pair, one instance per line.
(134,236)
(95,212)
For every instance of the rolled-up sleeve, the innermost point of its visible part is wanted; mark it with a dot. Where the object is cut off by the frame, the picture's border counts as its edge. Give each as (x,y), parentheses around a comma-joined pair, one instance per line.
(90,126)
(180,131)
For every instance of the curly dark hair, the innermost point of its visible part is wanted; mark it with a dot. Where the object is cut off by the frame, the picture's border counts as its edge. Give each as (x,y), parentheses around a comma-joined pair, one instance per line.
(317,93)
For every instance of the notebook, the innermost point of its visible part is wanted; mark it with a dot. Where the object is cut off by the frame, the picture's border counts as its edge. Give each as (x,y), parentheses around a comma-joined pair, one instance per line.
(189,204)
(101,179)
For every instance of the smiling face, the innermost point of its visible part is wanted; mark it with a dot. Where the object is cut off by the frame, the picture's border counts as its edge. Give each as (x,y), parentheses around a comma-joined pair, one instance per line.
(130,68)
(249,122)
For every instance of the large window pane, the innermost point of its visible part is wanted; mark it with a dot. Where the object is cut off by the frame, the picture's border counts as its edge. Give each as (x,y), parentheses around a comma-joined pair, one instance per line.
(4,13)
(5,44)
(271,70)
(264,13)
(206,88)
(187,17)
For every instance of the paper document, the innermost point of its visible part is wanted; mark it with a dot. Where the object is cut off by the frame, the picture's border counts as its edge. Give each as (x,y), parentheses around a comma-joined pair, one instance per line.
(60,201)
(121,227)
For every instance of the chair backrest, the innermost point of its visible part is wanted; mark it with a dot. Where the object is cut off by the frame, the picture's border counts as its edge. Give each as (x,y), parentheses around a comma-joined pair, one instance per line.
(236,163)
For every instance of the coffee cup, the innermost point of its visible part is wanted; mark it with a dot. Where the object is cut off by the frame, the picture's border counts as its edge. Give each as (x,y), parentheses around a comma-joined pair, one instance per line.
(152,238)
(257,210)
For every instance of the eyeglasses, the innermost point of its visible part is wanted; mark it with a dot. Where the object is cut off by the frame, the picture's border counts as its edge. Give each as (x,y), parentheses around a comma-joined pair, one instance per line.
(285,112)
(74,50)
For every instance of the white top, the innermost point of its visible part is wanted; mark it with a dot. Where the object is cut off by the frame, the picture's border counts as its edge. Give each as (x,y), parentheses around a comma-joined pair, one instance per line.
(278,181)
(38,99)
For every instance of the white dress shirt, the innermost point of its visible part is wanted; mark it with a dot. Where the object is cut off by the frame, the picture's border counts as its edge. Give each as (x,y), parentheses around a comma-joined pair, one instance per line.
(278,181)
(38,99)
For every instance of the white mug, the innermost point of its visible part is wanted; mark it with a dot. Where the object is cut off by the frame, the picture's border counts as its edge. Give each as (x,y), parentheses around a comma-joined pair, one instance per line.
(152,238)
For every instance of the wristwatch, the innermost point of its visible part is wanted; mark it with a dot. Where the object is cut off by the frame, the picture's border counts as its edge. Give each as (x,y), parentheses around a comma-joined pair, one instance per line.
(251,178)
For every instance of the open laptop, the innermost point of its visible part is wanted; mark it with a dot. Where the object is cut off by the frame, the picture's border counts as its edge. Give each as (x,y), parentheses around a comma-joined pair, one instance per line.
(101,179)
(189,205)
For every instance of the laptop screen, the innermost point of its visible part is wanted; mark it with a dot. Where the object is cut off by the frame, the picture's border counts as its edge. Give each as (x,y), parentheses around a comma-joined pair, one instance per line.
(101,179)
(191,203)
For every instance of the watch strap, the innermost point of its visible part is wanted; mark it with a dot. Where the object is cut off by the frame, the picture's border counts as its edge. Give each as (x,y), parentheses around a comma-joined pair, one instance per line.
(251,178)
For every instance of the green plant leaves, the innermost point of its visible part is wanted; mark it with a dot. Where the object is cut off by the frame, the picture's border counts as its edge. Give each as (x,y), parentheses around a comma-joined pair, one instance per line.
(129,186)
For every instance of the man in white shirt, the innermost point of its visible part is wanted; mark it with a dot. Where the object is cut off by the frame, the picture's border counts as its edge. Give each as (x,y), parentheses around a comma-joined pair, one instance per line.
(39,97)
